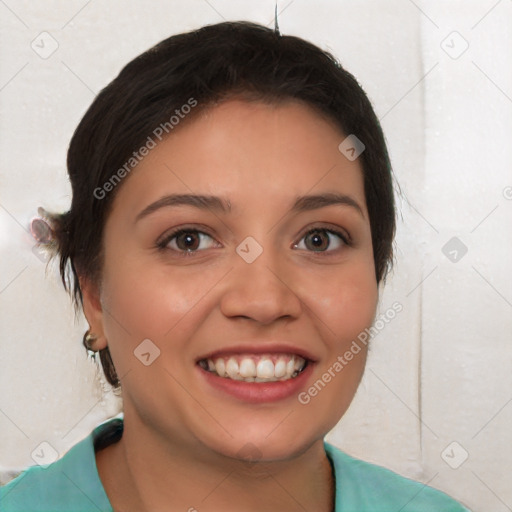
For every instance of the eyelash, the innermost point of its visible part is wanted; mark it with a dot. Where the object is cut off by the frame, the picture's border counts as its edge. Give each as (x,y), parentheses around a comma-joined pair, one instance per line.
(162,245)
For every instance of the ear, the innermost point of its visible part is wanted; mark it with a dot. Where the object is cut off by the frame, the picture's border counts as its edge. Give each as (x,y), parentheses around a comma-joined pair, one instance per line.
(93,311)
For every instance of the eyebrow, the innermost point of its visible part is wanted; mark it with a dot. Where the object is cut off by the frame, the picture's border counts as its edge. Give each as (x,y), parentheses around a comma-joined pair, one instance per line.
(215,203)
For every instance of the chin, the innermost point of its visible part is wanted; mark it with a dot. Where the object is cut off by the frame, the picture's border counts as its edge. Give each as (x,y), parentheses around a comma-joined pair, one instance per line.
(264,441)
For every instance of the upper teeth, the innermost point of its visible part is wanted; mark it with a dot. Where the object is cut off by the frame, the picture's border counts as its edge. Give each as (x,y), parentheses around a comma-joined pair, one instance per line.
(256,368)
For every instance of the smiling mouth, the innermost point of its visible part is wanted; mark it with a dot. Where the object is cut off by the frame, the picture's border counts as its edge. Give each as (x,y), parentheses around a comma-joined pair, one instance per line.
(256,367)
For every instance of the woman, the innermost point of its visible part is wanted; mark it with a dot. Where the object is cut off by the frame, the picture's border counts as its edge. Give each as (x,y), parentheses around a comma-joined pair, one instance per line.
(232,219)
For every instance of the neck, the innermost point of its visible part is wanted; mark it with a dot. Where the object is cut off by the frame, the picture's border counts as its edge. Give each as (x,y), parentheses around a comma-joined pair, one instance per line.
(144,472)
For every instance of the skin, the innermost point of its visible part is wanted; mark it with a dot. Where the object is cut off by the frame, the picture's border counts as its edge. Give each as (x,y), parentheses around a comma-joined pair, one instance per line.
(182,441)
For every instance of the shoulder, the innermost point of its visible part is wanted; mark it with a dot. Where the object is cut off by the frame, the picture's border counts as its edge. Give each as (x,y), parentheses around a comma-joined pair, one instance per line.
(69,484)
(365,486)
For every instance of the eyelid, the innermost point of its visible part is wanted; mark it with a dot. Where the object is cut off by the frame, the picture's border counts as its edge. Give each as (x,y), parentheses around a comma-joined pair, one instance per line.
(171,233)
(344,237)
(331,228)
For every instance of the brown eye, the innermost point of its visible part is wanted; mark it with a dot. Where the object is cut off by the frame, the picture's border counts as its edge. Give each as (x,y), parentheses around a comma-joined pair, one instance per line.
(187,240)
(320,240)
(317,240)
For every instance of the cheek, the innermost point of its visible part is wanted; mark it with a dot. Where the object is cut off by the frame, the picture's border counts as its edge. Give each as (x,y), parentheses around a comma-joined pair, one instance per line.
(153,301)
(149,301)
(145,301)
(344,300)
(143,306)
(345,305)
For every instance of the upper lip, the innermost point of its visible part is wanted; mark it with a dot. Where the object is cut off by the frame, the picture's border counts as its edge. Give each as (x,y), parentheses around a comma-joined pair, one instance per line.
(259,348)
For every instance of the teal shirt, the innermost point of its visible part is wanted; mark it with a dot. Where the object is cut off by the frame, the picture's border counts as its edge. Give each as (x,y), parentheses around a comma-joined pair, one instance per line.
(72,484)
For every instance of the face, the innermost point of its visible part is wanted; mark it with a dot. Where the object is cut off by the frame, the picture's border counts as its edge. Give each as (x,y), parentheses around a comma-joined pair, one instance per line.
(272,268)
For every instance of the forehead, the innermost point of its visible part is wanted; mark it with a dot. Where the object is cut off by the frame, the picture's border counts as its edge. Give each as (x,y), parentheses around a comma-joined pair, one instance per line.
(247,152)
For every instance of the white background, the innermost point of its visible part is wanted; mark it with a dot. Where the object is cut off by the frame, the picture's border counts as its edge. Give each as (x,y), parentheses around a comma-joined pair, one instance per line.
(440,372)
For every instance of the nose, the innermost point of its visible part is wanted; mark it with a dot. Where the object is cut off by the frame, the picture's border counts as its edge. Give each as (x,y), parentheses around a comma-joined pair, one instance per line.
(259,291)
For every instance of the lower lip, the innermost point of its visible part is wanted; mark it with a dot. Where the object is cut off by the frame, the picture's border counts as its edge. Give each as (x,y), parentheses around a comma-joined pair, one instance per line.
(258,392)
